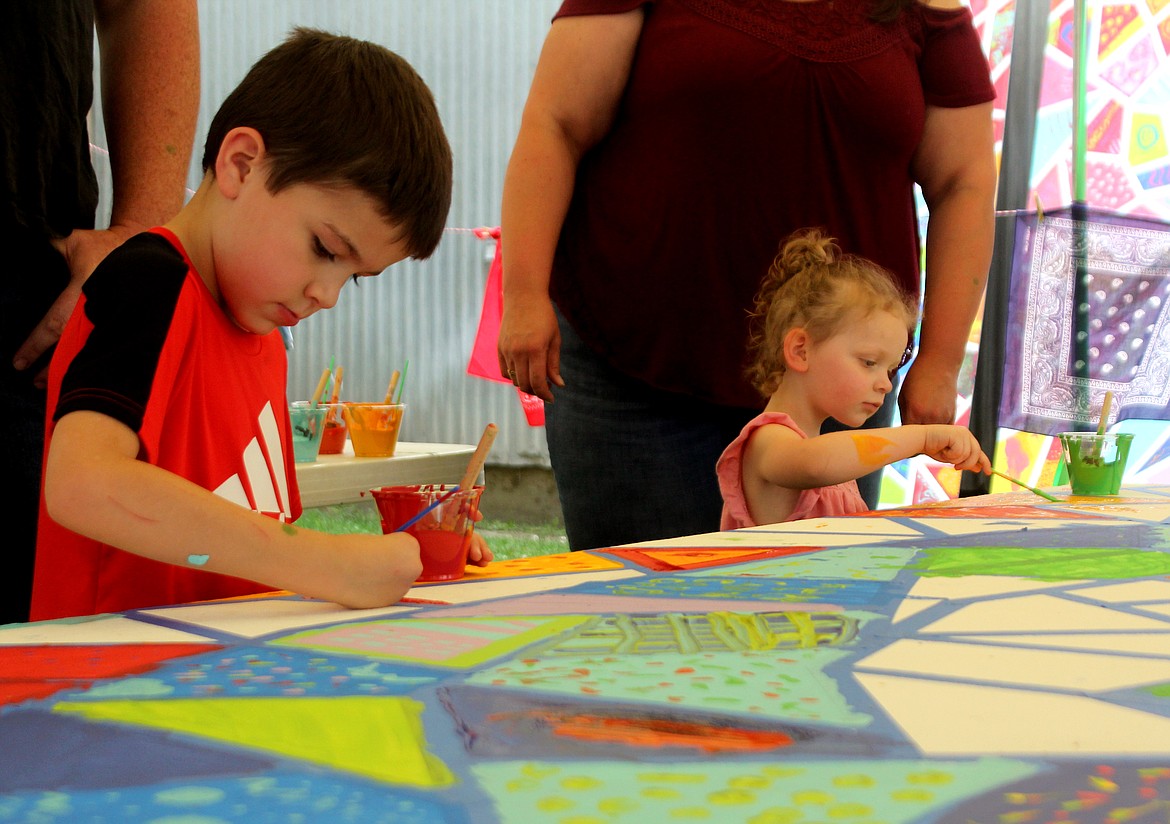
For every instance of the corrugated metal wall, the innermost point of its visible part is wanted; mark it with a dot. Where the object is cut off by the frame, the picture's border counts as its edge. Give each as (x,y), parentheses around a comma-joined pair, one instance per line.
(477,56)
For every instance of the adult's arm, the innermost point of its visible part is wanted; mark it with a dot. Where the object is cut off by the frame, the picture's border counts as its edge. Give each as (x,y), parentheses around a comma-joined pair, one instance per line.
(150,102)
(955,167)
(580,77)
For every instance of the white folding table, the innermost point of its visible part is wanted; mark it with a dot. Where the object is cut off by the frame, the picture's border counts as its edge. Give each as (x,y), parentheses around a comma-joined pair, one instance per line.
(335,479)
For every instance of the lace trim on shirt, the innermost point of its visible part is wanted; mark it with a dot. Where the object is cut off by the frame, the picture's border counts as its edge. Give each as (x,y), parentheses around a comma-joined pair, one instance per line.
(824,31)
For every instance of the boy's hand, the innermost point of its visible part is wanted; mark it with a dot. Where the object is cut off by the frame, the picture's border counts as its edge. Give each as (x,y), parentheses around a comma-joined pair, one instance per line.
(479,553)
(372,570)
(957,446)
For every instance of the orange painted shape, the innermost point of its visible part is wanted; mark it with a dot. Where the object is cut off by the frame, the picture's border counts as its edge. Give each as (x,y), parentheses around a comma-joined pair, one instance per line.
(641,732)
(542,565)
(703,557)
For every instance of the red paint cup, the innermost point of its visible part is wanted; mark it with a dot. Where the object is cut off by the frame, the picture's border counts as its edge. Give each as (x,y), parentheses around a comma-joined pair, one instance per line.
(443,533)
(333,435)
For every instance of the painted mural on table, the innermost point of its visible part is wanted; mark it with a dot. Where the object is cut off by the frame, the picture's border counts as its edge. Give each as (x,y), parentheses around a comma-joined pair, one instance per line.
(1003,660)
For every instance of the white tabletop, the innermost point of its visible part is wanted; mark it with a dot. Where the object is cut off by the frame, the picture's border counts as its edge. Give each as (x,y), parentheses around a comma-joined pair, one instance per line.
(335,479)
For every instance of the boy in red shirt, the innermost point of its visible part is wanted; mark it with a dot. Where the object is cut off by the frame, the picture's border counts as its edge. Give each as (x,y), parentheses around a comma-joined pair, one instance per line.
(169,473)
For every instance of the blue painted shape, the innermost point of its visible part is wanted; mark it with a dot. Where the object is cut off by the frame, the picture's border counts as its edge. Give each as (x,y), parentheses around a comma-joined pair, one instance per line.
(265,672)
(274,796)
(729,587)
(75,754)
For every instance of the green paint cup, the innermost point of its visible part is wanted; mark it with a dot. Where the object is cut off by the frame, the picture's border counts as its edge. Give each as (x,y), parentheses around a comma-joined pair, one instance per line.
(1095,462)
(308,421)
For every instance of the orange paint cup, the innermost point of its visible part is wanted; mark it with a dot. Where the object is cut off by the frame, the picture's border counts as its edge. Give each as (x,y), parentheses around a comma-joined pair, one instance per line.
(373,427)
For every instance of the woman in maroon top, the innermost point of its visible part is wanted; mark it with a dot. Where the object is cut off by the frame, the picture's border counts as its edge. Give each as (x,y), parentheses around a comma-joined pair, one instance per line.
(666,148)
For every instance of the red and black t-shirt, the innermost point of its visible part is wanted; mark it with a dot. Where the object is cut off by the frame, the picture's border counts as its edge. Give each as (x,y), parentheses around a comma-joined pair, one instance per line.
(149,346)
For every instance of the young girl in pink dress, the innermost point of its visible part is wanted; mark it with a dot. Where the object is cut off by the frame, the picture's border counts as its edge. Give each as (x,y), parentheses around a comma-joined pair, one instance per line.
(828,333)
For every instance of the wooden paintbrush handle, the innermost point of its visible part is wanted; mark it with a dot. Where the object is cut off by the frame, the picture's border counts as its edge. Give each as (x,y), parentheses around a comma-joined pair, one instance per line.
(467,484)
(479,457)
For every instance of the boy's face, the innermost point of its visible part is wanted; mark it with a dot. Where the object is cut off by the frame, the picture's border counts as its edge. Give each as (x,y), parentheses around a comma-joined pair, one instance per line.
(280,258)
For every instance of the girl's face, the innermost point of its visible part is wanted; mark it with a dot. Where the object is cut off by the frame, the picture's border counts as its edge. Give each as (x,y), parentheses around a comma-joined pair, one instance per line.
(850,373)
(279,258)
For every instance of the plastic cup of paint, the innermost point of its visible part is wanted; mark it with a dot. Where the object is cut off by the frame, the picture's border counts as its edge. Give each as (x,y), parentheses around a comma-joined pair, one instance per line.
(1095,463)
(308,422)
(373,427)
(333,435)
(443,534)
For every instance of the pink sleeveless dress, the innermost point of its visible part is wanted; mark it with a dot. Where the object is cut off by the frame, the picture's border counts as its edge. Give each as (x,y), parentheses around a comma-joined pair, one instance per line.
(839,499)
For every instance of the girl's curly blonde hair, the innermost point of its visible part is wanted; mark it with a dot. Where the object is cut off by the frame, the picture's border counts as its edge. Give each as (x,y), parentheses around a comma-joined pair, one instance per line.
(811,284)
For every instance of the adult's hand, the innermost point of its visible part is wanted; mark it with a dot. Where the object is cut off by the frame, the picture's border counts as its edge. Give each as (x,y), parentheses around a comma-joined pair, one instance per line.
(83,250)
(928,392)
(529,345)
(150,101)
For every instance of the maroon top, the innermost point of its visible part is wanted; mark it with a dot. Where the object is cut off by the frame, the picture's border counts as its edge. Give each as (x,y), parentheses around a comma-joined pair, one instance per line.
(743,121)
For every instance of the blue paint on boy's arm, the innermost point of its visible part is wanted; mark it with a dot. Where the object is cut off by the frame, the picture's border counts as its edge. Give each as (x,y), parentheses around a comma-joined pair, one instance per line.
(198,560)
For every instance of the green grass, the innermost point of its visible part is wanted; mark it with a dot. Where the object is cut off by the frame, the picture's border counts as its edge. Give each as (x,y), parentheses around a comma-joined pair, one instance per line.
(506,539)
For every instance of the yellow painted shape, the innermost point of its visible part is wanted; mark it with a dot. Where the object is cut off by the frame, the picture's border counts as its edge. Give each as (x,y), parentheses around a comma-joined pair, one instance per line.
(1040,464)
(376,737)
(870,448)
(1147,139)
(950,480)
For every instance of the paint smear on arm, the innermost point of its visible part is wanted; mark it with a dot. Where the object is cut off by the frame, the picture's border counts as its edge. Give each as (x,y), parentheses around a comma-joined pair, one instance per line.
(871,449)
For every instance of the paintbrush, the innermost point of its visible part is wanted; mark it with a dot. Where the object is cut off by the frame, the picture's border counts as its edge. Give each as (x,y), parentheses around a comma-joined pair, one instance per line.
(321,387)
(331,417)
(437,502)
(1092,449)
(1031,489)
(1106,405)
(402,385)
(475,465)
(390,388)
(479,456)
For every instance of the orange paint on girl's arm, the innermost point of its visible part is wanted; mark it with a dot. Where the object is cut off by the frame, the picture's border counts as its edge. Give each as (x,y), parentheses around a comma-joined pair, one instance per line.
(870,448)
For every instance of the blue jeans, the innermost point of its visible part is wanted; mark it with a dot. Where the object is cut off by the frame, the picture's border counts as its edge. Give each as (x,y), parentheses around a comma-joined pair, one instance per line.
(632,463)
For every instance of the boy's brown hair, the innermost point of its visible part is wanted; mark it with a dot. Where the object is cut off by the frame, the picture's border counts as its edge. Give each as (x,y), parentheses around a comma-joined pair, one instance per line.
(339,111)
